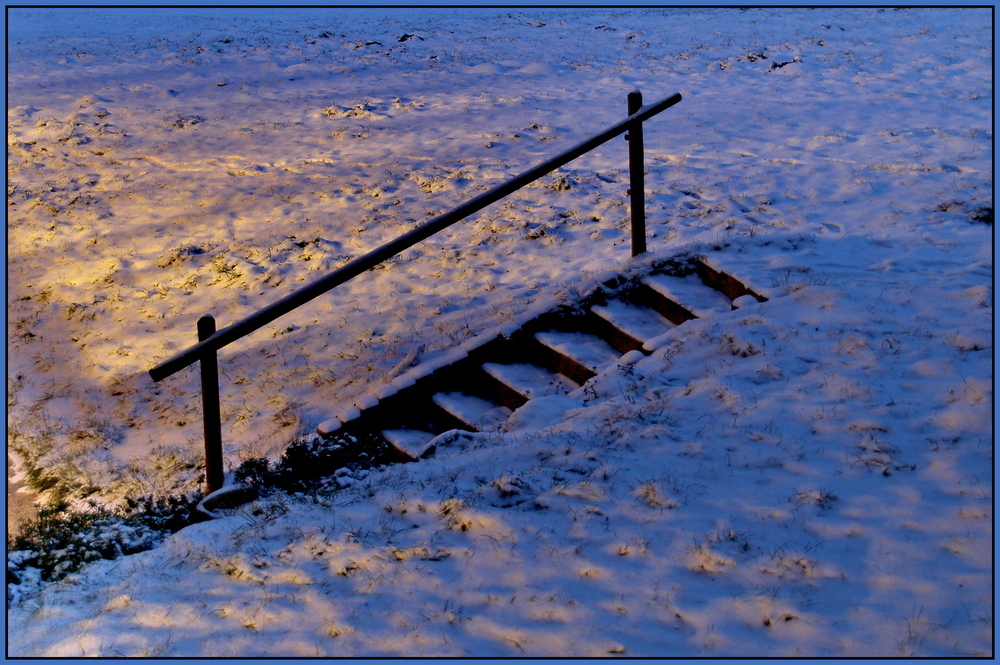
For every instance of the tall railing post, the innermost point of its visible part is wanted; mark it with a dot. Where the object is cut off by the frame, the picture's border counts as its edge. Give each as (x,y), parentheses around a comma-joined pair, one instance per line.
(637,186)
(210,408)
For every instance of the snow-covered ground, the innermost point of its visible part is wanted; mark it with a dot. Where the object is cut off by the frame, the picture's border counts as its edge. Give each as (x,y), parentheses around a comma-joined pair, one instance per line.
(810,476)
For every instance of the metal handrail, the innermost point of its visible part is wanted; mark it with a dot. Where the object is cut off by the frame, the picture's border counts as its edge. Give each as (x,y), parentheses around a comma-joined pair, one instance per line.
(210,340)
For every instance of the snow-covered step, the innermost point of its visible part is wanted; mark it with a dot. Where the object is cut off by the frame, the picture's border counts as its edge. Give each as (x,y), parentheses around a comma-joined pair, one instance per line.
(640,324)
(585,355)
(724,279)
(473,412)
(530,381)
(689,292)
(411,442)
(546,357)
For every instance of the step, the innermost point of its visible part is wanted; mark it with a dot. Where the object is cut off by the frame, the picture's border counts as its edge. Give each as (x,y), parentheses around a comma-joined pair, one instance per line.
(584,355)
(640,324)
(530,381)
(725,282)
(474,413)
(410,442)
(542,361)
(689,292)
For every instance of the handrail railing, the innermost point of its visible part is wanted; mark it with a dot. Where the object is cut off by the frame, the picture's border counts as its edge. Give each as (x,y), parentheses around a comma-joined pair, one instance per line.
(210,340)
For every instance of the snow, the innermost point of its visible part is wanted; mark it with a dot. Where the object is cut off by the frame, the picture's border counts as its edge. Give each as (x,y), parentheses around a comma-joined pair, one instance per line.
(590,351)
(412,442)
(530,380)
(807,476)
(473,411)
(639,322)
(690,290)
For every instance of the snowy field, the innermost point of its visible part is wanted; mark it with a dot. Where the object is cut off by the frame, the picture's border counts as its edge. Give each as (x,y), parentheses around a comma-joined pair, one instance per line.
(810,476)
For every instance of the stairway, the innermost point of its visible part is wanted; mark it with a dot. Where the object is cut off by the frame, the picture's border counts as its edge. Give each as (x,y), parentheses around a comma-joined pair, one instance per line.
(553,354)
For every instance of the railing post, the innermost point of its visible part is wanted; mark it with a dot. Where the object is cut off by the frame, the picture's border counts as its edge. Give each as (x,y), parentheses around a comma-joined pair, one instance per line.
(637,185)
(210,408)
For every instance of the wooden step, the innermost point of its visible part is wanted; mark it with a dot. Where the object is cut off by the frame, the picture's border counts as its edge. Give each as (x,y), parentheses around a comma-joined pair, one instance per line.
(579,356)
(553,354)
(530,381)
(471,412)
(635,323)
(717,279)
(688,294)
(410,442)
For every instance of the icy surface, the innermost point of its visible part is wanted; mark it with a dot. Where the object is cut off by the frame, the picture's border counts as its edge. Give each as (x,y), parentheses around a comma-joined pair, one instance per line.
(810,476)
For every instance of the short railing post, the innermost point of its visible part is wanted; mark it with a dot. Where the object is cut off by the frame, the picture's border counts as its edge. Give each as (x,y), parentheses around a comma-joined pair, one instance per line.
(210,408)
(637,186)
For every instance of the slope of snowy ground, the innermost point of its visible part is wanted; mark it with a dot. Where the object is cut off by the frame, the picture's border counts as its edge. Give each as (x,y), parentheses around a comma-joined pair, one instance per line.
(808,476)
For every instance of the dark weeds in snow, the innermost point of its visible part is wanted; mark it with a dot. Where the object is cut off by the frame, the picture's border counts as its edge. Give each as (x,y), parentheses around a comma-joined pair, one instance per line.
(310,463)
(982,214)
(61,540)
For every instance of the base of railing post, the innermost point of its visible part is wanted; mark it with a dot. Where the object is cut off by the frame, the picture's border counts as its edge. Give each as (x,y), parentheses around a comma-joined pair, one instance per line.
(214,476)
(636,179)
